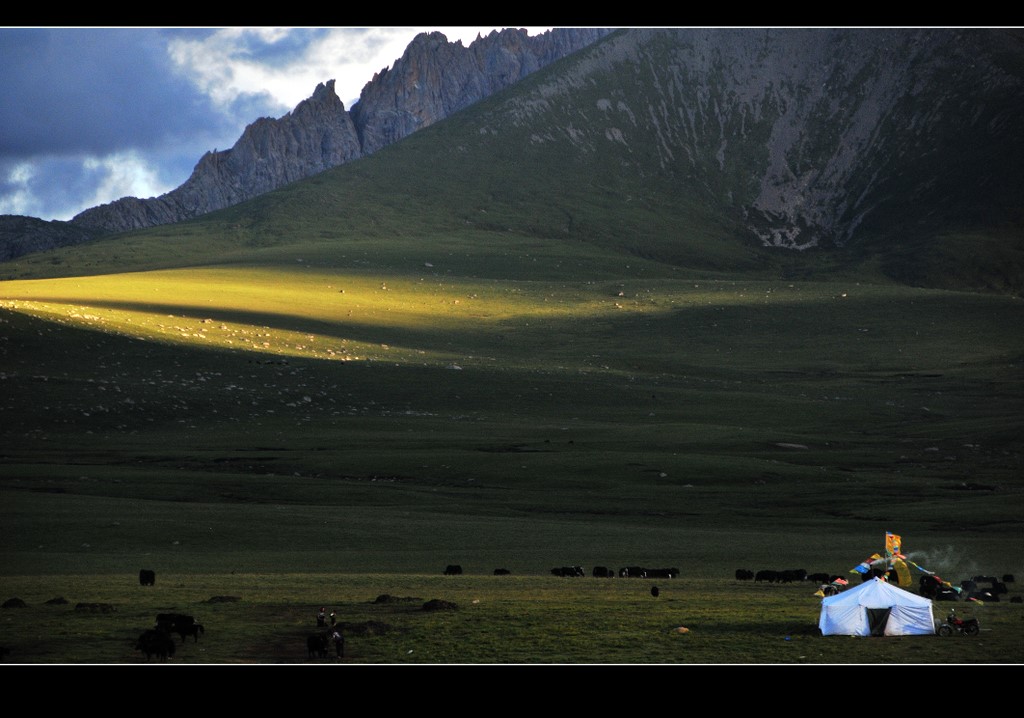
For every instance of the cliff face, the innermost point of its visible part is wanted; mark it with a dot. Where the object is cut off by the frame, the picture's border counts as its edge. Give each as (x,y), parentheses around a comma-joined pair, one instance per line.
(432,79)
(805,137)
(435,78)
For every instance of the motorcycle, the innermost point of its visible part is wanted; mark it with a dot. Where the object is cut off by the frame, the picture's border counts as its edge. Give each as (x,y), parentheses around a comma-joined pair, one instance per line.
(961,626)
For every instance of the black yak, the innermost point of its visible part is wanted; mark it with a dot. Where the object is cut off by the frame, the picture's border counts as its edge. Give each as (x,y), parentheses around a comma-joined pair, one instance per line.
(156,643)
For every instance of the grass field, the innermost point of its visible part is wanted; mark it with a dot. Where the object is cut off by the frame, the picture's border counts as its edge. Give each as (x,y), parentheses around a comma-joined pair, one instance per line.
(257,432)
(266,618)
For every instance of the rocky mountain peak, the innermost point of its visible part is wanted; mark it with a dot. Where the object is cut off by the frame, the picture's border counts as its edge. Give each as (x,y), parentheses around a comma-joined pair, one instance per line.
(432,79)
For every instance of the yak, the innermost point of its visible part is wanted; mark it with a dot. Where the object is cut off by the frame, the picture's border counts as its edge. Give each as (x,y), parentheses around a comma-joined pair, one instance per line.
(156,643)
(661,572)
(147,577)
(179,623)
(568,571)
(317,644)
(195,630)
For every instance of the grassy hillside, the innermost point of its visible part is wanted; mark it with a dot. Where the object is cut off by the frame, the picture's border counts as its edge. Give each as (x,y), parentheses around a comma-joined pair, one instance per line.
(332,414)
(421,359)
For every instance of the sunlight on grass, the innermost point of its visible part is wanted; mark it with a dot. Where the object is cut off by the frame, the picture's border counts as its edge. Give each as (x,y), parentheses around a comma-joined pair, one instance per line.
(357,316)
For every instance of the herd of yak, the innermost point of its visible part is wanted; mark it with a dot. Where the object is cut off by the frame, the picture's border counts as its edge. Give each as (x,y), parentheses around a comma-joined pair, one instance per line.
(977,588)
(158,640)
(598,572)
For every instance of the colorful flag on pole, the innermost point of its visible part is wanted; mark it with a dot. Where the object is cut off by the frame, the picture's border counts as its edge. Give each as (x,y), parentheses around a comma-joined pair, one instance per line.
(865,565)
(892,544)
(902,573)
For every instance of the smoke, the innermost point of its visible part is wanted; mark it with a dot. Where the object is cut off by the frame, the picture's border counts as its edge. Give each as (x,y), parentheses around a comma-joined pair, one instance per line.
(948,562)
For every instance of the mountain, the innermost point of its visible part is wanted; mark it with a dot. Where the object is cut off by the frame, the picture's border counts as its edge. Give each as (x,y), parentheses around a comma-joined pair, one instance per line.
(807,137)
(902,143)
(433,79)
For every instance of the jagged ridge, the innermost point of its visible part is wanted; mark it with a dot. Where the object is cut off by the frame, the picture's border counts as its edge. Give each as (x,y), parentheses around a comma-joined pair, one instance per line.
(432,79)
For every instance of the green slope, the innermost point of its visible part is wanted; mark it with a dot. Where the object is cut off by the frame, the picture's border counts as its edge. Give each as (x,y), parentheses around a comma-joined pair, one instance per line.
(467,348)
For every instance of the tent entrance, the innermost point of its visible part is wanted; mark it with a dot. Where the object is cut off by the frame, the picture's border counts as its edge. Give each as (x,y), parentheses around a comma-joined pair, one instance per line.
(877,618)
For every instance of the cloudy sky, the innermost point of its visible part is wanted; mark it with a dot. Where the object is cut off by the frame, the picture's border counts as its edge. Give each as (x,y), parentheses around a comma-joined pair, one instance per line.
(90,115)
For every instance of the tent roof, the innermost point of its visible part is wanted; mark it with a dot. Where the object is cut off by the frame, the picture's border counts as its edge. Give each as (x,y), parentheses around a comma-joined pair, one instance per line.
(876,593)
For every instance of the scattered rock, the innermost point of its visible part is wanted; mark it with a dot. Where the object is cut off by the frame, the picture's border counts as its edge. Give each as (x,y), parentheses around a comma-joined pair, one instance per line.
(388,598)
(436,604)
(58,601)
(14,603)
(223,599)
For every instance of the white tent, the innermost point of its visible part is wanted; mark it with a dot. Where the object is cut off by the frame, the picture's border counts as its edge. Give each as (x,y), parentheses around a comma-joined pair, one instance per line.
(876,608)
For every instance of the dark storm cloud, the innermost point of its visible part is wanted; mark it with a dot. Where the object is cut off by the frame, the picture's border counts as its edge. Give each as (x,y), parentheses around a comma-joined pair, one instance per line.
(95,91)
(92,114)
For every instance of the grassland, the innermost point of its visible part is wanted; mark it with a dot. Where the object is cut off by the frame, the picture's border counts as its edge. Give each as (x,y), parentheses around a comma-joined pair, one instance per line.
(264,618)
(300,434)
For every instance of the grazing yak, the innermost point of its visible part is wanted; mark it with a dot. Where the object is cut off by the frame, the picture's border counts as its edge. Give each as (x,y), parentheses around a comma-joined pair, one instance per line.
(930,586)
(155,642)
(793,574)
(179,623)
(603,572)
(195,630)
(453,570)
(317,644)
(661,572)
(570,571)
(147,577)
(502,572)
(744,574)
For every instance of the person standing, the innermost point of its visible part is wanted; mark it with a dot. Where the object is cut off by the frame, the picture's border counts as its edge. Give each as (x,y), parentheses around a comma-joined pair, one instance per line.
(321,618)
(334,618)
(339,642)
